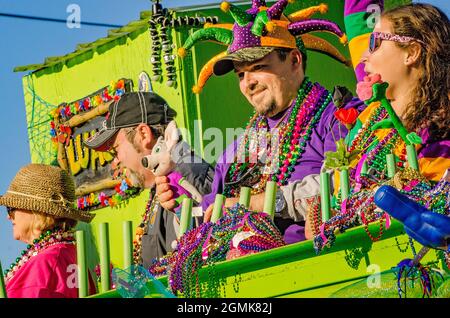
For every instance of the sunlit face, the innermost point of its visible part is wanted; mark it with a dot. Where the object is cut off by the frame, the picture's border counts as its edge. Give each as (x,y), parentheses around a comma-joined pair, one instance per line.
(128,157)
(22,222)
(388,60)
(269,84)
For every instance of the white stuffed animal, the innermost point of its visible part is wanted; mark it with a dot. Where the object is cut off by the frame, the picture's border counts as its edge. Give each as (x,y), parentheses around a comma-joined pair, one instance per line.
(161,163)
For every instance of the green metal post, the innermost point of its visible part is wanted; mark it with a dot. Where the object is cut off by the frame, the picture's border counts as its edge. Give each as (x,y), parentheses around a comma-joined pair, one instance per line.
(82,264)
(244,197)
(412,157)
(104,256)
(390,163)
(127,244)
(269,198)
(325,195)
(2,284)
(186,215)
(217,210)
(345,189)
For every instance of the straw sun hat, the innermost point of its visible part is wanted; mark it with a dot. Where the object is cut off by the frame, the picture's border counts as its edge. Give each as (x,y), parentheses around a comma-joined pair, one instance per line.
(45,189)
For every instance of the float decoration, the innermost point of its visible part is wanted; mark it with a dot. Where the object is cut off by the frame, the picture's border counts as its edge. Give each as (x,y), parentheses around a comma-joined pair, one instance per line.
(60,129)
(160,27)
(97,184)
(341,158)
(371,90)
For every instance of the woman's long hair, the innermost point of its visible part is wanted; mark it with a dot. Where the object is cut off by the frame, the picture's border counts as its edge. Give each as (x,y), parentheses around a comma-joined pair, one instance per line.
(429,107)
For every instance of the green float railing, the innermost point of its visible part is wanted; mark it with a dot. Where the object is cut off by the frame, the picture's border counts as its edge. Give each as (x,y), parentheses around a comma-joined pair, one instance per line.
(186,216)
(412,157)
(127,244)
(105,271)
(325,195)
(390,164)
(269,198)
(2,284)
(82,264)
(217,209)
(244,196)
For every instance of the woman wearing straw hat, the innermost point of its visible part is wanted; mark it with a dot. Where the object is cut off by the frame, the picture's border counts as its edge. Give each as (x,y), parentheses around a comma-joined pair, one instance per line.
(39,202)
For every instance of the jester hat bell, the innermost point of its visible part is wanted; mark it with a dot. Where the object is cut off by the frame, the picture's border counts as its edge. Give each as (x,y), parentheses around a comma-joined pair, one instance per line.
(260,30)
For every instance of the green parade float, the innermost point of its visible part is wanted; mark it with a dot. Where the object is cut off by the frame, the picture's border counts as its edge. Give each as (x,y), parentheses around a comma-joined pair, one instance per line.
(65,95)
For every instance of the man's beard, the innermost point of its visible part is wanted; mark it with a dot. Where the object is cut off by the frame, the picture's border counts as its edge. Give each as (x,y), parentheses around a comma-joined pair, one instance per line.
(265,106)
(137,180)
(268,110)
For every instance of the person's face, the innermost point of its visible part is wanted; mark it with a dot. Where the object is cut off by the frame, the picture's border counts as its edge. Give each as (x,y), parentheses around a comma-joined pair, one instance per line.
(128,156)
(22,222)
(270,84)
(388,60)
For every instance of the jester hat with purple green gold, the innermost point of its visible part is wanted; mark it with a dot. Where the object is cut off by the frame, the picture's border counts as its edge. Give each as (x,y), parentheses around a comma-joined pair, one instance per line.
(263,27)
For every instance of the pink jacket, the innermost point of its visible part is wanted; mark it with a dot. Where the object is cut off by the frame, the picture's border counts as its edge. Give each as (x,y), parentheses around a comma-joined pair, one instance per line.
(50,274)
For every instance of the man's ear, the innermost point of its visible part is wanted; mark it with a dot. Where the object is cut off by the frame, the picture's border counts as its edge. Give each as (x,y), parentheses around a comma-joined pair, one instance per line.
(412,55)
(145,135)
(296,58)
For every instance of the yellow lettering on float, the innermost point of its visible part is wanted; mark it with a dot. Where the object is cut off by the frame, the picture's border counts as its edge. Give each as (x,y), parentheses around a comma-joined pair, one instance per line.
(94,156)
(84,157)
(103,157)
(74,164)
(83,152)
(106,157)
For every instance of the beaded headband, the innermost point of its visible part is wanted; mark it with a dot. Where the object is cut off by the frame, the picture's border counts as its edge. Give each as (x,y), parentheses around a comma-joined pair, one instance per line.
(261,26)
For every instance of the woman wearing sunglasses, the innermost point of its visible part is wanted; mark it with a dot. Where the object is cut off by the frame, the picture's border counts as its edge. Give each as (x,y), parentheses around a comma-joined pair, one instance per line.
(409,49)
(40,207)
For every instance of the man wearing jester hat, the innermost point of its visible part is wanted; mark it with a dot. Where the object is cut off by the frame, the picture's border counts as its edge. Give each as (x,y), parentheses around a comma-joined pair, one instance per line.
(268,50)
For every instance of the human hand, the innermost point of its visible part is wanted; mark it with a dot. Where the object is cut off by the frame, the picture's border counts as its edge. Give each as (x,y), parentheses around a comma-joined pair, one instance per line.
(164,193)
(229,202)
(208,213)
(256,204)
(308,227)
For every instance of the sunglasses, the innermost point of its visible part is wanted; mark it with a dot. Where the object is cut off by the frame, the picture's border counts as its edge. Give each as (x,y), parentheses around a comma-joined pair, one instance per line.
(377,37)
(10,211)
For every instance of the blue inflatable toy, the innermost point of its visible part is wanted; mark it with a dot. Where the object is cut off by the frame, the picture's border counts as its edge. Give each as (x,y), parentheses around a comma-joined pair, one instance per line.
(428,228)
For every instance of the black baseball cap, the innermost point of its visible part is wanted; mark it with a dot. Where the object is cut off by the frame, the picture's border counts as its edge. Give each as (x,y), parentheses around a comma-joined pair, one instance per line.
(131,110)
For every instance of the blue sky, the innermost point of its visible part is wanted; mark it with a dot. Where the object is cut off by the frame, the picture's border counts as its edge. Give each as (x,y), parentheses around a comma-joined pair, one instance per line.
(28,42)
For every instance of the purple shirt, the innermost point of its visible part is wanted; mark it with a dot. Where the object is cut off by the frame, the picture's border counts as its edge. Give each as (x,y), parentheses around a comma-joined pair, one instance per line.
(322,139)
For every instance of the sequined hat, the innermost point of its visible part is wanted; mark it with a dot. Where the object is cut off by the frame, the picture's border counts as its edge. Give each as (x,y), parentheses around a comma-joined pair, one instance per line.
(258,31)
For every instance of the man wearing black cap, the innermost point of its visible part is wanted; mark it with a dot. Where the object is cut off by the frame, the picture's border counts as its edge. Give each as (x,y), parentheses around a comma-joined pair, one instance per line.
(129,132)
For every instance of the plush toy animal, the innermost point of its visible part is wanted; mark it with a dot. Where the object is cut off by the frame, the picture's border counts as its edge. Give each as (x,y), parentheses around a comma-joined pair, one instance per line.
(161,162)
